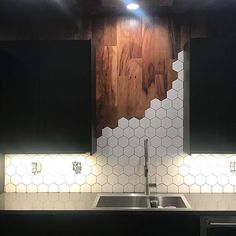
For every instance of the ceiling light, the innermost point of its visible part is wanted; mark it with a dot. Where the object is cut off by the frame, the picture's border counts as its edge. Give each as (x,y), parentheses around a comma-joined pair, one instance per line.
(132,6)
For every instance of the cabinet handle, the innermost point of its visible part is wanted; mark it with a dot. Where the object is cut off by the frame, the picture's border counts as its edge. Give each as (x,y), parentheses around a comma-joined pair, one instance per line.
(222,224)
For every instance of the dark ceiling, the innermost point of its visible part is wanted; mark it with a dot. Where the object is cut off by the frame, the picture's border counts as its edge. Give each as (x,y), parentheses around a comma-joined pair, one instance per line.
(109,7)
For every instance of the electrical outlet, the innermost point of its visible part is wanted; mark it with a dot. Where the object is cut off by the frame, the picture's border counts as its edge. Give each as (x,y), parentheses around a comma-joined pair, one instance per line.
(77,167)
(36,168)
(233,167)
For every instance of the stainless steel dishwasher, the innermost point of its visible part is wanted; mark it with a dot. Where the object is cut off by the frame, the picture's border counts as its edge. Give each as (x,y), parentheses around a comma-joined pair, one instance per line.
(218,226)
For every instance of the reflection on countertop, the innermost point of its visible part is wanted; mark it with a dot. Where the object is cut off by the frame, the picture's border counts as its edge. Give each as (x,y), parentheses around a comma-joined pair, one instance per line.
(84,201)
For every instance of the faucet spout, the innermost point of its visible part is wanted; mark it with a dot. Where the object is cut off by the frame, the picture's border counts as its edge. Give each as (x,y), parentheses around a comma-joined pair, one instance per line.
(146,166)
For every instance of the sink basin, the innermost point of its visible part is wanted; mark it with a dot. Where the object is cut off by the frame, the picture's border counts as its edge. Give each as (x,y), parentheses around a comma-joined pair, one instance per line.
(140,201)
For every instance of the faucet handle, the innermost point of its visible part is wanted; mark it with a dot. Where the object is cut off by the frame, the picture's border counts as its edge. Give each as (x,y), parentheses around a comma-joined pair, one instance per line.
(152,185)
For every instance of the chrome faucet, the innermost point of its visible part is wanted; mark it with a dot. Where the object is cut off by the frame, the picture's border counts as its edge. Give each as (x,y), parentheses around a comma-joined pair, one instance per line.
(147,185)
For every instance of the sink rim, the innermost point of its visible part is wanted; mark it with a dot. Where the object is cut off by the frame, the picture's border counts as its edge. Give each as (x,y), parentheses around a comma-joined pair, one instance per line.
(94,206)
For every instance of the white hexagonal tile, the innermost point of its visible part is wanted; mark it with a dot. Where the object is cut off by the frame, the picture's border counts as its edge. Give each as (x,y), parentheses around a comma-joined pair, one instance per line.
(184,170)
(161,170)
(181,75)
(166,123)
(123,123)
(200,180)
(42,188)
(177,85)
(155,141)
(128,132)
(118,170)
(123,179)
(10,170)
(167,179)
(74,188)
(96,170)
(16,161)
(91,179)
(211,180)
(134,160)
(101,179)
(107,151)
(21,188)
(97,188)
(144,122)
(155,104)
(173,188)
(123,141)
(129,170)
(118,188)
(173,170)
(181,56)
(112,141)
(161,151)
(112,161)
(172,132)
(102,160)
(228,188)
(177,66)
(181,94)
(177,103)
(189,179)
(178,180)
(184,188)
(194,188)
(106,188)
(134,179)
(128,151)
(16,179)
(177,122)
(21,170)
(129,188)
(38,179)
(177,142)
(124,160)
(139,132)
(107,132)
(102,141)
(134,141)
(171,113)
(117,151)
(217,188)
(172,94)
(161,113)
(62,188)
(32,188)
(166,103)
(155,122)
(166,141)
(133,123)
(117,132)
(161,132)
(112,179)
(27,179)
(223,179)
(106,170)
(150,113)
(181,113)
(150,132)
(139,151)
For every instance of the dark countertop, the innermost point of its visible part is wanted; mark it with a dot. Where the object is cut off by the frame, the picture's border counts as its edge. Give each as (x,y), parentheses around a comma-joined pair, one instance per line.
(84,201)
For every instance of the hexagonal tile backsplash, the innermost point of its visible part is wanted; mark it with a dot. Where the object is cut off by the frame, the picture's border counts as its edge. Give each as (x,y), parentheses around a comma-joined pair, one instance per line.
(118,164)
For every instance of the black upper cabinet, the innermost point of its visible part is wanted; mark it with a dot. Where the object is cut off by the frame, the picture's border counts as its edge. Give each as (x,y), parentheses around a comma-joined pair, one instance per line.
(210,96)
(46,97)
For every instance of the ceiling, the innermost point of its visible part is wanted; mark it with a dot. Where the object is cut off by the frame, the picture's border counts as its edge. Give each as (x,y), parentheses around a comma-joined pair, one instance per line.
(42,8)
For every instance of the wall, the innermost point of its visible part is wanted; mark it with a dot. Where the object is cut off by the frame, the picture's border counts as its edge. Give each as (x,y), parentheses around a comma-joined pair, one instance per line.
(118,164)
(124,101)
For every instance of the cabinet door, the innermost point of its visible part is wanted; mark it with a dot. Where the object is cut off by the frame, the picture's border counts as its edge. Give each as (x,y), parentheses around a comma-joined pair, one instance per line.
(19,97)
(65,96)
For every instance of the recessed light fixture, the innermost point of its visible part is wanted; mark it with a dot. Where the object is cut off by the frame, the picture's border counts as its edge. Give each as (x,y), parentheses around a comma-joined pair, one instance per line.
(132,6)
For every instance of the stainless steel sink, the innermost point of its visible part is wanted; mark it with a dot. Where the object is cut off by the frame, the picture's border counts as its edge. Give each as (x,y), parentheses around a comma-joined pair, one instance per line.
(141,201)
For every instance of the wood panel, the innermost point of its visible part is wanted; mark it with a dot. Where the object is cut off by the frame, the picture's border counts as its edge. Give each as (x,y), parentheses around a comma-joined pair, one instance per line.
(134,62)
